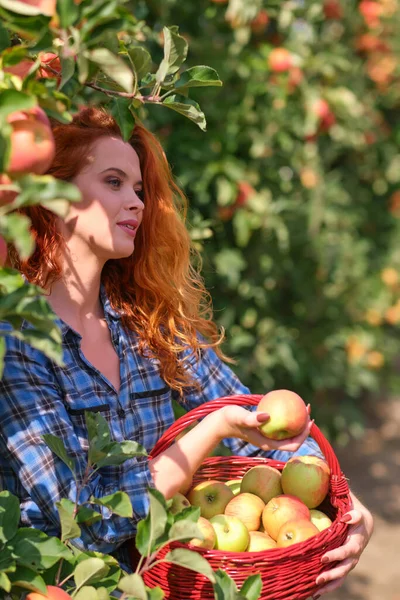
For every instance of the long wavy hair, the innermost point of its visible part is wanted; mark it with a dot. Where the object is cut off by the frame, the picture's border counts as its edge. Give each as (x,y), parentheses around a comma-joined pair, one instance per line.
(158,290)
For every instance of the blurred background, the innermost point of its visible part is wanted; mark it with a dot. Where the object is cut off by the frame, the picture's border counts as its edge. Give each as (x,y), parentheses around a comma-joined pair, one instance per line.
(294,196)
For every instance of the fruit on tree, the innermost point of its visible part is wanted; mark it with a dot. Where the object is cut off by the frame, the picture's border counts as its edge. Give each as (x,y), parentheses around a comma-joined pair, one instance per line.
(288,414)
(248,508)
(53,593)
(322,110)
(260,541)
(320,519)
(50,62)
(179,503)
(281,509)
(263,481)
(231,533)
(259,24)
(46,7)
(208,534)
(333,9)
(293,532)
(280,60)
(211,496)
(32,142)
(307,478)
(3,251)
(21,69)
(6,196)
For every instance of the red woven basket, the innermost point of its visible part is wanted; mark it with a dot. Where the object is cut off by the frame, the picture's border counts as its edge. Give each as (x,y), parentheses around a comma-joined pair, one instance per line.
(287,573)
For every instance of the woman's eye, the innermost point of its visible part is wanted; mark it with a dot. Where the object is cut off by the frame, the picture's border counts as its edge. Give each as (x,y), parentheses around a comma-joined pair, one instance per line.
(114,181)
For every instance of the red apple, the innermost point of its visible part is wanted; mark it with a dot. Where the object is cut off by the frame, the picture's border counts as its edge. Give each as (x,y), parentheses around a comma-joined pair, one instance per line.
(307,478)
(263,481)
(295,531)
(53,593)
(46,7)
(322,110)
(259,23)
(211,496)
(21,69)
(248,508)
(50,62)
(371,11)
(288,414)
(179,503)
(3,251)
(281,509)
(296,76)
(320,519)
(260,541)
(231,533)
(280,60)
(208,534)
(333,9)
(6,196)
(32,142)
(245,191)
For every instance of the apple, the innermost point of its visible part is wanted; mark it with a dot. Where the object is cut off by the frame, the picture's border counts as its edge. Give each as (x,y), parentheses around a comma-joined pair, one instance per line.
(259,24)
(53,593)
(234,485)
(32,142)
(248,507)
(281,509)
(322,110)
(333,9)
(3,251)
(260,541)
(293,532)
(288,414)
(208,534)
(46,7)
(211,496)
(307,478)
(320,519)
(244,192)
(371,11)
(263,481)
(21,69)
(231,533)
(50,62)
(6,196)
(179,502)
(280,60)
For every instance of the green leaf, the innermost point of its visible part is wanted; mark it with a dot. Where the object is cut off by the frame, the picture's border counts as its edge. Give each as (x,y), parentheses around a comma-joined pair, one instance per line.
(56,445)
(120,110)
(69,527)
(252,587)
(141,61)
(68,66)
(175,52)
(53,194)
(35,549)
(88,593)
(87,515)
(89,571)
(119,504)
(155,593)
(7,561)
(4,43)
(153,526)
(191,513)
(199,76)
(224,588)
(28,579)
(12,100)
(185,530)
(9,513)
(16,228)
(68,12)
(133,585)
(113,66)
(117,453)
(188,108)
(191,560)
(5,583)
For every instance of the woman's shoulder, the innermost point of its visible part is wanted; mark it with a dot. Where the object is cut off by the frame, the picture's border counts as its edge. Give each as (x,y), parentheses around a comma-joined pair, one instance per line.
(17,343)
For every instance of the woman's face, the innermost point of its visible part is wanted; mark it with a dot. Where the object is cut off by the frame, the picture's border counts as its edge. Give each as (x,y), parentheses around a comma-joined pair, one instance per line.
(105,222)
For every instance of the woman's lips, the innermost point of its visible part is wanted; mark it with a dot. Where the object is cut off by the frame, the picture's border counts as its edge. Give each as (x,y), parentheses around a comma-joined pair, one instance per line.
(128,230)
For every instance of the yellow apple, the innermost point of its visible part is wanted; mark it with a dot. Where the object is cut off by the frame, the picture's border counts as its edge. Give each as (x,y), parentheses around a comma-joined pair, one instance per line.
(306,477)
(208,533)
(281,509)
(179,502)
(320,519)
(288,414)
(260,541)
(248,507)
(263,481)
(293,532)
(234,484)
(211,496)
(232,534)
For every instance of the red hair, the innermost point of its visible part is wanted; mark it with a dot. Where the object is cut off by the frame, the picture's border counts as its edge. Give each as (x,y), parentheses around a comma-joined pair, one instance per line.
(160,294)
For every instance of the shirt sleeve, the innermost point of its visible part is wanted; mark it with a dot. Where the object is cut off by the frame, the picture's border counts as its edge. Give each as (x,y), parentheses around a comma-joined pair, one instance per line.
(215,380)
(31,405)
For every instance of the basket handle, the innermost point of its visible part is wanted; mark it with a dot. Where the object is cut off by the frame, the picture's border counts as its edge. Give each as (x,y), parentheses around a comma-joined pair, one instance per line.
(205,409)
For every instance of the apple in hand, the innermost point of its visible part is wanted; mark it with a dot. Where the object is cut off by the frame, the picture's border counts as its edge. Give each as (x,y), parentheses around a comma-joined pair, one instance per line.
(234,485)
(263,481)
(260,541)
(211,496)
(208,533)
(293,532)
(179,502)
(53,593)
(307,478)
(288,414)
(232,534)
(320,519)
(248,508)
(281,509)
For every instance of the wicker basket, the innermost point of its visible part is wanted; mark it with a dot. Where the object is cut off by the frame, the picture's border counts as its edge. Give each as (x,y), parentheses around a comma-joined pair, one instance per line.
(288,573)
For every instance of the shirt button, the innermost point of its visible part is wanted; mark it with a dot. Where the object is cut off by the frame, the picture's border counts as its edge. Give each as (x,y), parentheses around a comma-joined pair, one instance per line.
(121,412)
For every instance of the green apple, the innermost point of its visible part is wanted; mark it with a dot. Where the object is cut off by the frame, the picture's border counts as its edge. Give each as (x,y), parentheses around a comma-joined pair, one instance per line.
(179,502)
(320,519)
(232,534)
(211,496)
(263,481)
(234,484)
(306,477)
(288,414)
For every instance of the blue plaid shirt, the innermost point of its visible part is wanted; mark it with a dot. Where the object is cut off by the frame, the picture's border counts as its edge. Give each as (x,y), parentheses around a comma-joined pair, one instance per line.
(38,397)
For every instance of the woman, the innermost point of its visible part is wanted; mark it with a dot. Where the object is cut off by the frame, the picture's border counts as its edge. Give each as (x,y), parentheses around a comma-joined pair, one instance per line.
(135,320)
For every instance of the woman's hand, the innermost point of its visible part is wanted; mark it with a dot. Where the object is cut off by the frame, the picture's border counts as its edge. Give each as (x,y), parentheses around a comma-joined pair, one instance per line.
(238,422)
(349,554)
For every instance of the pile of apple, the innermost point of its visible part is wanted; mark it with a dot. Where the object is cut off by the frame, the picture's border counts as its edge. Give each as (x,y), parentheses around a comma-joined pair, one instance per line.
(266,508)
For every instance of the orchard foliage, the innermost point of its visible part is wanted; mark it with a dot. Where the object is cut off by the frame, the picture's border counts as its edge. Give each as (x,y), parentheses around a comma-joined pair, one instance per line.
(295,190)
